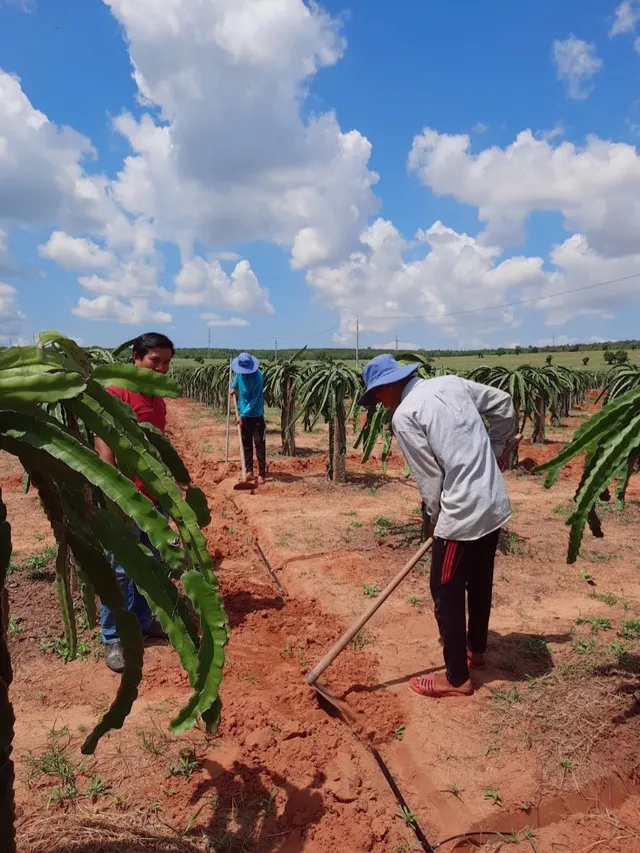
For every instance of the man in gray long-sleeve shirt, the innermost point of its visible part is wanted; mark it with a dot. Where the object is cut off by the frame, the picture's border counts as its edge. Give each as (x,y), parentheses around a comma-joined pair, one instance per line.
(439,426)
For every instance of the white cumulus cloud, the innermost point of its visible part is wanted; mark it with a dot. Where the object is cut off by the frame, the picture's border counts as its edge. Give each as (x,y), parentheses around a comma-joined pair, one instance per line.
(232,322)
(399,345)
(577,62)
(134,313)
(626,17)
(75,253)
(455,275)
(232,155)
(42,175)
(595,186)
(11,317)
(202,282)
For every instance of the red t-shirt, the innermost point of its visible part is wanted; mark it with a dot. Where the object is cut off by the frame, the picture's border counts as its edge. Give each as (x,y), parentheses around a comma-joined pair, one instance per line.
(150,410)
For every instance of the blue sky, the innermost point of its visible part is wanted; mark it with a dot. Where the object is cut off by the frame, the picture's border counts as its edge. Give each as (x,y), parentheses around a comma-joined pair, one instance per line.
(277,171)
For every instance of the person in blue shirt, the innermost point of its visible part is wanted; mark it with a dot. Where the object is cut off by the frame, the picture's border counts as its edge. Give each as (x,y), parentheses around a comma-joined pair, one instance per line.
(248,387)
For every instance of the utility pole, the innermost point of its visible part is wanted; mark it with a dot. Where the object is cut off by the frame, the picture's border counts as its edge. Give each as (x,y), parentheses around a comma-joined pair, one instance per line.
(276,351)
(357,344)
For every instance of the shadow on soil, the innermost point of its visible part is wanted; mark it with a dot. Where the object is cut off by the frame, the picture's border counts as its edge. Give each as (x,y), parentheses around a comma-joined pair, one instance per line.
(301,453)
(511,657)
(626,671)
(240,604)
(245,813)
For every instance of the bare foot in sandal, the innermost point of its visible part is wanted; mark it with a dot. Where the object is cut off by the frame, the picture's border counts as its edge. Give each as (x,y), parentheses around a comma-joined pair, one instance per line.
(438,687)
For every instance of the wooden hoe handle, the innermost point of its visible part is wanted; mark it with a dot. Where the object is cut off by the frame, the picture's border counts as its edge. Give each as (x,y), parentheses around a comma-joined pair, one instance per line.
(244,469)
(350,633)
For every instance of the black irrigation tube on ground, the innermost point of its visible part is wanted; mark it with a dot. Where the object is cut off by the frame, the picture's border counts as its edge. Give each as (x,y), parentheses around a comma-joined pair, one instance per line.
(413,823)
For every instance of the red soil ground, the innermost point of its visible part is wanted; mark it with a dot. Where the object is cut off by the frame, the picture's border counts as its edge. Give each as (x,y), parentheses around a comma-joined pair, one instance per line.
(548,745)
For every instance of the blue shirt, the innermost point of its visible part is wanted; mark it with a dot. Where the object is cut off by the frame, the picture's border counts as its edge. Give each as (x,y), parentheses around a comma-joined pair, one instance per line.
(248,387)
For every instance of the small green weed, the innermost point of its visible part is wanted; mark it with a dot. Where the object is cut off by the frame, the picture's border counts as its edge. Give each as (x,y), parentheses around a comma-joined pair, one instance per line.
(55,764)
(605,597)
(455,790)
(399,732)
(372,491)
(512,695)
(360,640)
(303,661)
(493,796)
(356,524)
(14,624)
(534,647)
(36,562)
(59,648)
(415,602)
(618,649)
(564,509)
(153,742)
(185,767)
(630,629)
(597,623)
(527,834)
(410,818)
(381,525)
(370,590)
(585,576)
(41,559)
(511,544)
(97,787)
(600,557)
(584,645)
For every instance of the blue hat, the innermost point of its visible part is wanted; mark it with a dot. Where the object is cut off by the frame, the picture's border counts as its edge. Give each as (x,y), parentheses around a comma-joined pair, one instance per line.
(245,363)
(383,370)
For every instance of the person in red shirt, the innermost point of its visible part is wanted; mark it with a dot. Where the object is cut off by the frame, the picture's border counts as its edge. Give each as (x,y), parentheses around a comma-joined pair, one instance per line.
(154,352)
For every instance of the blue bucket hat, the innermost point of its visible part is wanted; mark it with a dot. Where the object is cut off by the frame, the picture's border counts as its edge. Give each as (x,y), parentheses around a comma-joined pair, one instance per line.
(245,363)
(383,370)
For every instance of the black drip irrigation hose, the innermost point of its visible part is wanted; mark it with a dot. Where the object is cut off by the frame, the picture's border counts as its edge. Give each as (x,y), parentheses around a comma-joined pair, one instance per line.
(411,821)
(335,708)
(471,836)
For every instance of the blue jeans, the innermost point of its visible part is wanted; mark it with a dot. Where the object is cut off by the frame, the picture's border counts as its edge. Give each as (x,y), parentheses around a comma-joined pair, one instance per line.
(133,599)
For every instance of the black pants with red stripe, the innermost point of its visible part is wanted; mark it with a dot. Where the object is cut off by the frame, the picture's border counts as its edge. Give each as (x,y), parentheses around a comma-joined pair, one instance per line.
(253,431)
(462,570)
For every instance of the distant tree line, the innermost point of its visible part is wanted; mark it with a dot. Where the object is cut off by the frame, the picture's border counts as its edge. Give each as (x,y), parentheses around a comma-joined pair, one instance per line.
(617,350)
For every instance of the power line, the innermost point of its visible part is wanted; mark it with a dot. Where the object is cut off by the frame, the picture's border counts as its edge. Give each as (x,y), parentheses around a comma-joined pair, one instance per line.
(307,334)
(506,304)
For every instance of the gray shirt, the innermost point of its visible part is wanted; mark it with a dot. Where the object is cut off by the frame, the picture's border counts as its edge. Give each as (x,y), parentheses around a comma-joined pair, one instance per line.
(441,433)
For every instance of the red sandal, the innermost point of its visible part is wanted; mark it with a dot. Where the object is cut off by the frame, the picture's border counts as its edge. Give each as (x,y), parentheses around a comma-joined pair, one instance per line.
(425,685)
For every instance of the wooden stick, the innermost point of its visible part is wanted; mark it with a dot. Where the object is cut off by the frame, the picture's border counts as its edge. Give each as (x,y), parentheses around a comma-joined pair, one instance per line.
(226,454)
(270,570)
(350,633)
(244,467)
